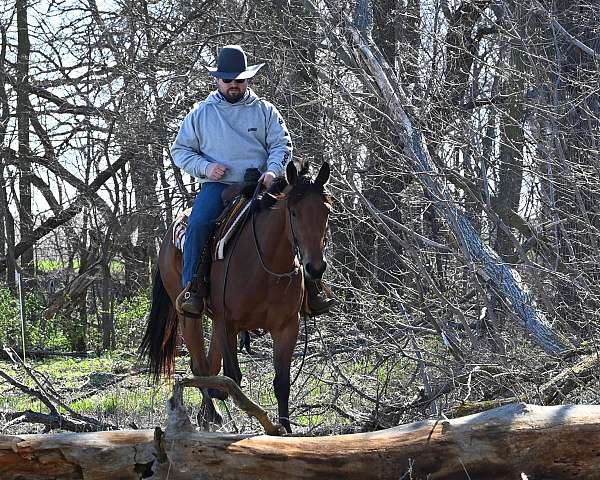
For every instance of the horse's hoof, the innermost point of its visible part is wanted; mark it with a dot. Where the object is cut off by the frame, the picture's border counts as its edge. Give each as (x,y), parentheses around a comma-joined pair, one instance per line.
(218,394)
(207,421)
(208,415)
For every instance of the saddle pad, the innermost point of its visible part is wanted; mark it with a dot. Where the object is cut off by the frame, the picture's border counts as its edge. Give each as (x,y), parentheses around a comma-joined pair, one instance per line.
(179,228)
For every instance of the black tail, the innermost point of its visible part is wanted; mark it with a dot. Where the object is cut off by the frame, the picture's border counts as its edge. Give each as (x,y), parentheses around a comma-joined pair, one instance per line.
(160,340)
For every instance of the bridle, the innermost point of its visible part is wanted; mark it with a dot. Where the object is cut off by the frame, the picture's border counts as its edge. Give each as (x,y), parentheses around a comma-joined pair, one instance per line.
(297,254)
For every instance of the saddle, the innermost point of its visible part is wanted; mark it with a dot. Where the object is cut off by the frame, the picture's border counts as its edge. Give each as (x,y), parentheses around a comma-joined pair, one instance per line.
(226,225)
(236,201)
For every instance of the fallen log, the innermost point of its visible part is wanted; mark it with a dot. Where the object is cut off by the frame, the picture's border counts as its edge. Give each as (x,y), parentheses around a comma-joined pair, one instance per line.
(560,442)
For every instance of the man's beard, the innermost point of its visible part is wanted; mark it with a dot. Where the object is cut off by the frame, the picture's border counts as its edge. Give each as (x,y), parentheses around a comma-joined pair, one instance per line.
(233,97)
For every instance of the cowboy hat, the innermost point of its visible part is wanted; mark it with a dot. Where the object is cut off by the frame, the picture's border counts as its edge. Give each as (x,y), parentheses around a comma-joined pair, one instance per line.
(232,64)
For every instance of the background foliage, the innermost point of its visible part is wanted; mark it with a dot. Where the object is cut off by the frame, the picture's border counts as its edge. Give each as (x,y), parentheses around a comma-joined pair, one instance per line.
(504,92)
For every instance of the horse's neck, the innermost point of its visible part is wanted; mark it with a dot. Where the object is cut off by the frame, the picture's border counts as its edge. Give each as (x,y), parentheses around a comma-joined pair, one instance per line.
(273,234)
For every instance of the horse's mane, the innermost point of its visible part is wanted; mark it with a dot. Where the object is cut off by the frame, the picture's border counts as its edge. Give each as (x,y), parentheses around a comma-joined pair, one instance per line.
(270,197)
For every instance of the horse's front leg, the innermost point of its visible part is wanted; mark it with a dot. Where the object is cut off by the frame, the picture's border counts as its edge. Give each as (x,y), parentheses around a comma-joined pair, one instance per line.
(194,339)
(193,334)
(284,341)
(215,357)
(231,366)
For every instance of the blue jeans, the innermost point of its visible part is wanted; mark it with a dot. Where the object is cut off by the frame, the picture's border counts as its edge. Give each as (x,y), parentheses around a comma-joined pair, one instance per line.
(207,208)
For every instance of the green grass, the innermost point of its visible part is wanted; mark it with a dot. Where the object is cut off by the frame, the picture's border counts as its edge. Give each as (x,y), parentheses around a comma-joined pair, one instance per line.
(84,385)
(133,397)
(46,265)
(73,372)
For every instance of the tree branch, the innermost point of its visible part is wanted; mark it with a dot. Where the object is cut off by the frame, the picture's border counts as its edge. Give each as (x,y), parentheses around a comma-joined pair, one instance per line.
(68,213)
(563,31)
(486,261)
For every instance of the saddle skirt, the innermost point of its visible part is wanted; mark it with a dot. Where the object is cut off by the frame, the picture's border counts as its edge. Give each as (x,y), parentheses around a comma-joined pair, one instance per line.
(226,226)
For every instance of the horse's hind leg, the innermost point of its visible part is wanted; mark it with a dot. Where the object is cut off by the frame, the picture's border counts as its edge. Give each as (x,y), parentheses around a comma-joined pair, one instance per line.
(284,342)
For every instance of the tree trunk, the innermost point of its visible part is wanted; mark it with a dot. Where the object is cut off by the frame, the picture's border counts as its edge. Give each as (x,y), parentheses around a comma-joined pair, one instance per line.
(540,442)
(9,233)
(108,321)
(382,176)
(7,221)
(23,113)
(79,331)
(512,141)
(575,116)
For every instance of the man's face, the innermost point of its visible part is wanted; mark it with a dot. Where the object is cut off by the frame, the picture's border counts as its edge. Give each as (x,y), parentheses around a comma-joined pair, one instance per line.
(233,90)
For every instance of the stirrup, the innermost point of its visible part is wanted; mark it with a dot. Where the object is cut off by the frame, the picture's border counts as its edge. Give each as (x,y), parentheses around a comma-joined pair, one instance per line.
(189,304)
(322,300)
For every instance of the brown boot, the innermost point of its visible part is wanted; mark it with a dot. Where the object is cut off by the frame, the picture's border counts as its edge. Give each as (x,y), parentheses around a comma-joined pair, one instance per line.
(318,300)
(191,300)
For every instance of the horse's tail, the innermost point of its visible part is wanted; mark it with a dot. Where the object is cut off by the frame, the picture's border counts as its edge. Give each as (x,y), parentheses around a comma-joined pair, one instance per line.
(160,340)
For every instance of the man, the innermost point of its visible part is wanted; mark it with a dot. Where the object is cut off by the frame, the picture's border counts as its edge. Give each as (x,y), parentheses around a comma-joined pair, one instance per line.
(230,131)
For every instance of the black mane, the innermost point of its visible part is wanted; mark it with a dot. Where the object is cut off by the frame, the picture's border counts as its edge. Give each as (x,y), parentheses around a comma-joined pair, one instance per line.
(304,168)
(269,198)
(303,184)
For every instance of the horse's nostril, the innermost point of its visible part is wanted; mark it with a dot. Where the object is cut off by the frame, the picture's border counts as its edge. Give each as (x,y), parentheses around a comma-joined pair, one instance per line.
(307,269)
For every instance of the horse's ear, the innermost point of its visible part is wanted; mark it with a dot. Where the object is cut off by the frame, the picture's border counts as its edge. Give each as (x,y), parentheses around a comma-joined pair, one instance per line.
(323,175)
(291,173)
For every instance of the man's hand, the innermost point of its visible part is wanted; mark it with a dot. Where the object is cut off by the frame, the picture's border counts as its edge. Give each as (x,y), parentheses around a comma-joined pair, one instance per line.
(267,179)
(215,171)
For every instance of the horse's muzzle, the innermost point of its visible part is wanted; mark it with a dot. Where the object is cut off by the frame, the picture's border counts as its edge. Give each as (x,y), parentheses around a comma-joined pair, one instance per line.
(315,273)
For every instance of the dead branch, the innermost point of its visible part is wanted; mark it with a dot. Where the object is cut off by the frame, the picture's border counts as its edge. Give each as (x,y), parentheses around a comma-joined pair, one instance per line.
(46,394)
(241,400)
(488,265)
(72,292)
(585,371)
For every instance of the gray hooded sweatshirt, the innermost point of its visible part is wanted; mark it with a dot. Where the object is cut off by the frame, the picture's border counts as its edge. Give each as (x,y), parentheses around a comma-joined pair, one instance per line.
(246,134)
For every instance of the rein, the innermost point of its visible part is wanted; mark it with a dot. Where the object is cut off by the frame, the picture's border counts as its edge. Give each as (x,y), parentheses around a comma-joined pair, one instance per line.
(304,352)
(292,273)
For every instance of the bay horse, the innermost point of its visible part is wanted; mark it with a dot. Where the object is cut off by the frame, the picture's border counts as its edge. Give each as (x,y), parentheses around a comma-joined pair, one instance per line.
(258,285)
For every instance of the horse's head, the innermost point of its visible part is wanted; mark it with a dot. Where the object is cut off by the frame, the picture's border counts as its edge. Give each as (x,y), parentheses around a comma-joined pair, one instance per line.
(309,207)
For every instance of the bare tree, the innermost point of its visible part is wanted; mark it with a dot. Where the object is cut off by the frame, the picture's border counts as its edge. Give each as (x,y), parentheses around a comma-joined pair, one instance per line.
(463,136)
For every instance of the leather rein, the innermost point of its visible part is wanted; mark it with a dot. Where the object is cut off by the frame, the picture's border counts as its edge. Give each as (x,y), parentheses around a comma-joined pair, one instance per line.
(296,269)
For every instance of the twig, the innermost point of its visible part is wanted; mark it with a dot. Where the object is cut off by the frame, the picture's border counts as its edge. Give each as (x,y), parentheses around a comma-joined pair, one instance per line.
(51,421)
(49,397)
(30,391)
(578,43)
